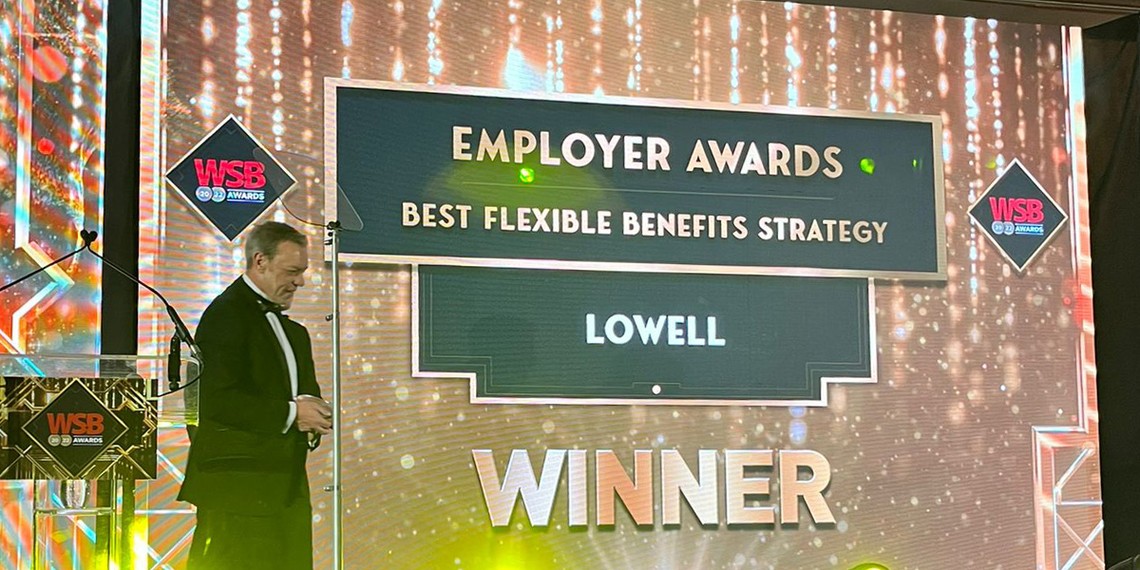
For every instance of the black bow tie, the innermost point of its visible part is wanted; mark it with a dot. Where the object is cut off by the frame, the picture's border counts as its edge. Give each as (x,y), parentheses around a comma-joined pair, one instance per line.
(269,307)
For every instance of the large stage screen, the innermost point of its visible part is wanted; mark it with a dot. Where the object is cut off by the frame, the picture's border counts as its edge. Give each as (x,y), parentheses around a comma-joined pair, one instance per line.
(52,124)
(728,284)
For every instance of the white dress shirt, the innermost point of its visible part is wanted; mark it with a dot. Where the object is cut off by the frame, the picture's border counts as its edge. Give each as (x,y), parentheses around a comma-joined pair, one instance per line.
(290,358)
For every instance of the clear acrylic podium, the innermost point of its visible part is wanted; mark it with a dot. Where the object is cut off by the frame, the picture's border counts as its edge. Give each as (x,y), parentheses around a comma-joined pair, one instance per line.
(83,429)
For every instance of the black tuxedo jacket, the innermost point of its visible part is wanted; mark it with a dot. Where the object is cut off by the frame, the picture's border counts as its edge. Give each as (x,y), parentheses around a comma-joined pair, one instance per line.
(240,460)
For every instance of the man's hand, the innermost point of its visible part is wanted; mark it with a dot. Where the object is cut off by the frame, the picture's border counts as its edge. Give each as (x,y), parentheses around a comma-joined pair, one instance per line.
(314,415)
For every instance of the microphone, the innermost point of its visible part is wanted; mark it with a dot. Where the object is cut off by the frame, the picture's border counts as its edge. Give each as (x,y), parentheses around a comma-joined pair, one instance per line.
(181,332)
(174,364)
(86,236)
(180,329)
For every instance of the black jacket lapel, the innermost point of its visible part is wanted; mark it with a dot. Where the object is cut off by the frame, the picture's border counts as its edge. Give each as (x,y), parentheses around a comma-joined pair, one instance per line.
(268,338)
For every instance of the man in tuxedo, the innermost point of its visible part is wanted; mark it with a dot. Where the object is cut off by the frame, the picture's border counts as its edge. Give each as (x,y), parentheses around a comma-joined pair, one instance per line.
(260,412)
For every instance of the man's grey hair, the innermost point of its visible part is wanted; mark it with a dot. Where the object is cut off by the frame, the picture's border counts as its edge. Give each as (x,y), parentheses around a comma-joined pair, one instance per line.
(266,236)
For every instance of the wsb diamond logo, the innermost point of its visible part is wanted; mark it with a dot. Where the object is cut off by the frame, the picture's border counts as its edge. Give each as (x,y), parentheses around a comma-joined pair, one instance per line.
(230,177)
(75,428)
(1018,215)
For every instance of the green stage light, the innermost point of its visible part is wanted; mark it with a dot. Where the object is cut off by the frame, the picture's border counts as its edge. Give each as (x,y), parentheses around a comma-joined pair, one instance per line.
(526,175)
(869,566)
(867,165)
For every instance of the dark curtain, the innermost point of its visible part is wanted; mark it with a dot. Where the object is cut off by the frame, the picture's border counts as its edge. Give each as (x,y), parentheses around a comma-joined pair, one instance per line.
(119,242)
(1113,117)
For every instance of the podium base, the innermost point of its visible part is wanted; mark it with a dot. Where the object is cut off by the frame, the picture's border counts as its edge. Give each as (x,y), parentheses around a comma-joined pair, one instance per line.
(77,524)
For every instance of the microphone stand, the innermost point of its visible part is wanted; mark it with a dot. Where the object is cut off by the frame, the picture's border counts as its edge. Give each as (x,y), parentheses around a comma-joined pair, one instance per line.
(181,335)
(333,241)
(334,227)
(181,332)
(353,223)
(86,236)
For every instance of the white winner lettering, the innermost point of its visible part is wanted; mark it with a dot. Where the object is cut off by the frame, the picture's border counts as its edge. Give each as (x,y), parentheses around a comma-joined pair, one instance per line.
(670,330)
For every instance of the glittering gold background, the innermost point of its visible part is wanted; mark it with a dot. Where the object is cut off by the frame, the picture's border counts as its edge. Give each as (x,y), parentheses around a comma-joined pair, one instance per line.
(933,467)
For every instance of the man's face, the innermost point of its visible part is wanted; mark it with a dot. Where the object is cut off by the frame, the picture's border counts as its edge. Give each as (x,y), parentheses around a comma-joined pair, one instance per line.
(281,276)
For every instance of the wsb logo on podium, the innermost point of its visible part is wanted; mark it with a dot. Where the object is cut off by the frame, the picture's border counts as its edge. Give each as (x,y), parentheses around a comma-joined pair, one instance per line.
(75,428)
